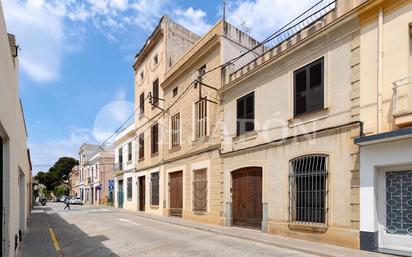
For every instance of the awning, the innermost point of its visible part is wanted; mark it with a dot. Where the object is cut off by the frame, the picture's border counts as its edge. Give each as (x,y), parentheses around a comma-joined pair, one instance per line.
(384,137)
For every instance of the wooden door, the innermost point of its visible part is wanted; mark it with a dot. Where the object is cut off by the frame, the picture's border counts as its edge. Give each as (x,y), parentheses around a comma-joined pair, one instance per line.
(142,193)
(247,197)
(176,193)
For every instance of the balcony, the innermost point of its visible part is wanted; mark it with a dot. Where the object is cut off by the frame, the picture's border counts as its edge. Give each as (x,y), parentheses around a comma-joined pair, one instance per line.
(118,166)
(402,102)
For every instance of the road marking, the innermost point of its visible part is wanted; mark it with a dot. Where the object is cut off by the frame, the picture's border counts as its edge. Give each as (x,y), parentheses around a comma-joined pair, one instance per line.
(129,221)
(53,237)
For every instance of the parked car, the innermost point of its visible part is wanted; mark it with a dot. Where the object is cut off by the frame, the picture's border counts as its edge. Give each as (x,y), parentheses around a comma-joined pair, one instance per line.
(63,198)
(76,200)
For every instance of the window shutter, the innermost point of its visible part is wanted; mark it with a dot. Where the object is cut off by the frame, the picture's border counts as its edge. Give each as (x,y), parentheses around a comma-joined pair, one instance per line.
(154,179)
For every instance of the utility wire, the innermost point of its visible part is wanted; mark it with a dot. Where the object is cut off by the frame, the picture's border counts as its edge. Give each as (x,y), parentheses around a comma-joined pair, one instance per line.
(269,38)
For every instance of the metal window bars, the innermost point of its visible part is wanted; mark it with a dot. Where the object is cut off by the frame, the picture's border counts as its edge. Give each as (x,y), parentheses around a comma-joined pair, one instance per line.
(308,190)
(200,118)
(175,120)
(304,22)
(200,190)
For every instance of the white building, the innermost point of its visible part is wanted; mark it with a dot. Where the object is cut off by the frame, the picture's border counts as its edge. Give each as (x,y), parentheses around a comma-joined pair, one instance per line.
(125,194)
(15,166)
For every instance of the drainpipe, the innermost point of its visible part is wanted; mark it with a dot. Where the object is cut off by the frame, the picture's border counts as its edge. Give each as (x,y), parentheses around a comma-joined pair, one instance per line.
(380,75)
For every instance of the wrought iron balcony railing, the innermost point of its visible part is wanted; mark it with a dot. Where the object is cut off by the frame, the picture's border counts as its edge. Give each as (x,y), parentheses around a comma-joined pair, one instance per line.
(402,96)
(118,166)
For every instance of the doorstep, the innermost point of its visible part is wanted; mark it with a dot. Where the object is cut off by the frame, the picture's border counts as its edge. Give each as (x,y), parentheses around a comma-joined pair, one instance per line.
(309,247)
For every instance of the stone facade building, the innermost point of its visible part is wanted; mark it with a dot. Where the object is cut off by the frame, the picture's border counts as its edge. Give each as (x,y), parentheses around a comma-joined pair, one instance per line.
(74,180)
(96,169)
(298,137)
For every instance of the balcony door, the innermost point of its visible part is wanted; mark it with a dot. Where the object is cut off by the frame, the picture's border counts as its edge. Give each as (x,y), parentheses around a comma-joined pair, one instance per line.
(142,193)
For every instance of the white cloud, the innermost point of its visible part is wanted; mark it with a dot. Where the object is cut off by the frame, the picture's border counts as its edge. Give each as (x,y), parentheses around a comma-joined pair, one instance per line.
(148,13)
(195,20)
(263,17)
(40,36)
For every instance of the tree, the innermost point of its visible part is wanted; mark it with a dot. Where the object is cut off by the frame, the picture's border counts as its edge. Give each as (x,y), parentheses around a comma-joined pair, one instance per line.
(59,191)
(54,177)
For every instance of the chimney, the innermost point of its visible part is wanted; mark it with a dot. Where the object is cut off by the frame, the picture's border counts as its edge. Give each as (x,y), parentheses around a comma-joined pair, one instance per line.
(13,46)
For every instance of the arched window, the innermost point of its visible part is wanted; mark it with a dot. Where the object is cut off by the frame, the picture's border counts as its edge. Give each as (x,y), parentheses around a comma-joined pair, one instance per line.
(308,189)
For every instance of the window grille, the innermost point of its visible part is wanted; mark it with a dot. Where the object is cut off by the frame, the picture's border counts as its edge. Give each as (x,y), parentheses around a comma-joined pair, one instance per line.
(200,119)
(141,146)
(129,189)
(175,130)
(308,189)
(154,180)
(200,190)
(245,114)
(308,88)
(155,100)
(155,138)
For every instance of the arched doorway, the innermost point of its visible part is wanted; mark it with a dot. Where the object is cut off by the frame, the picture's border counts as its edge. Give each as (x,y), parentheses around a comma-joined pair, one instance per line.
(247,197)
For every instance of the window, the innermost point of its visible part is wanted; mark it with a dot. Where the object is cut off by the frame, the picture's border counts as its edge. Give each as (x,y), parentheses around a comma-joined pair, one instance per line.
(141,146)
(175,91)
(200,190)
(141,103)
(129,151)
(200,119)
(129,189)
(155,138)
(154,180)
(245,114)
(175,133)
(155,92)
(120,162)
(155,60)
(308,189)
(308,88)
(141,75)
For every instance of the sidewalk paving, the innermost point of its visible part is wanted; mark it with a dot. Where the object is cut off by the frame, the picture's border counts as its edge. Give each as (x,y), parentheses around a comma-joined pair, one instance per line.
(37,242)
(261,237)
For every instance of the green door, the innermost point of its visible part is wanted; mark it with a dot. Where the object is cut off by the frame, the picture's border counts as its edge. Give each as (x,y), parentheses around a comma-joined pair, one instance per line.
(120,194)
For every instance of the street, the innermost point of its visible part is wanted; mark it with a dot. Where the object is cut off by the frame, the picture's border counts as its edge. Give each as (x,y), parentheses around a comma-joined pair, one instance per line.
(83,231)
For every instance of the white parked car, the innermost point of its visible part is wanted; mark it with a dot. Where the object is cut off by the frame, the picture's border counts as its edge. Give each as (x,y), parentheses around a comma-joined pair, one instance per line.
(76,200)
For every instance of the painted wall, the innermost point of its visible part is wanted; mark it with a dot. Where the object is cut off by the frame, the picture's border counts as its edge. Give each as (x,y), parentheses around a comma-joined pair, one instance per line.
(16,170)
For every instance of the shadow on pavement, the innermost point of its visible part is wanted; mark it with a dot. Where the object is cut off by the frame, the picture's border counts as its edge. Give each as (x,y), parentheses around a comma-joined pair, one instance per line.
(76,243)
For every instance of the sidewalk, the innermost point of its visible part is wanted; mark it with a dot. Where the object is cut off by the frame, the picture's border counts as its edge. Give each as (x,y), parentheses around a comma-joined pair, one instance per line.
(37,242)
(258,236)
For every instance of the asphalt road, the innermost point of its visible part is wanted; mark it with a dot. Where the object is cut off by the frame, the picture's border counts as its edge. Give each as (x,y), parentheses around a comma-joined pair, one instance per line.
(86,232)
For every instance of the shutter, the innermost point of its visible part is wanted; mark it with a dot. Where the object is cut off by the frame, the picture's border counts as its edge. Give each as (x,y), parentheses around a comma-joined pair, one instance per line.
(316,87)
(300,92)
(155,188)
(250,112)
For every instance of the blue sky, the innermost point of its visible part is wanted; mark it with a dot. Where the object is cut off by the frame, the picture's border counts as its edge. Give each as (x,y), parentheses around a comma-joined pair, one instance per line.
(76,76)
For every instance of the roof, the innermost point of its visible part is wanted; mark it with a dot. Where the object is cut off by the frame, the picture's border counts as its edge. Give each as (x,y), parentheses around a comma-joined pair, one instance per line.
(384,137)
